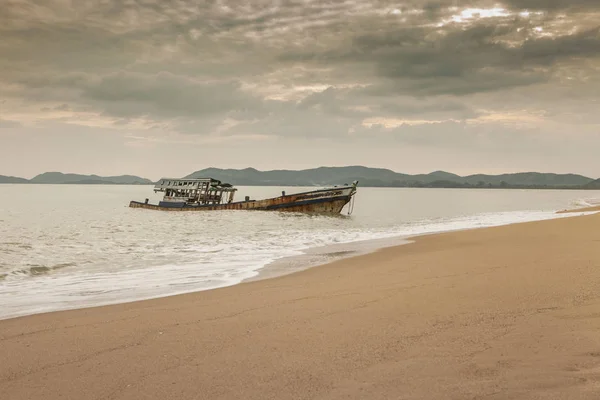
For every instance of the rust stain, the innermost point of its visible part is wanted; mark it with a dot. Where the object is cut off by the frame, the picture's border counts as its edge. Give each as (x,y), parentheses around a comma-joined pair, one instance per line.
(332,206)
(330,200)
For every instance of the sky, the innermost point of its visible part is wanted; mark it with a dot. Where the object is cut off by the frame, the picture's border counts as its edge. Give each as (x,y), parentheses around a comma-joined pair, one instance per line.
(167,87)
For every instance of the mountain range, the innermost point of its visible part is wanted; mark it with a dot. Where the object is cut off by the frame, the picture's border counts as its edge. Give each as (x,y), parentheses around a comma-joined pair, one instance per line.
(60,178)
(325,176)
(377,177)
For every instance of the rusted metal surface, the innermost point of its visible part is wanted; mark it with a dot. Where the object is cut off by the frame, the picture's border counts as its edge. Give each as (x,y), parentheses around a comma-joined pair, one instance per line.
(333,206)
(331,201)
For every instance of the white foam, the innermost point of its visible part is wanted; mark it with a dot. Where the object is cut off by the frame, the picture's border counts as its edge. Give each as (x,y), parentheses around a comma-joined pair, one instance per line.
(586,202)
(204,266)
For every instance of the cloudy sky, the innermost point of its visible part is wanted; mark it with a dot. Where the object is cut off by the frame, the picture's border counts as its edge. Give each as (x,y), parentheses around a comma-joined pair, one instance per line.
(167,87)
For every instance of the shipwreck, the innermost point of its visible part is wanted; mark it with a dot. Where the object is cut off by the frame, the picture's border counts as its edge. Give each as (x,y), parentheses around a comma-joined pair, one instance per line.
(208,194)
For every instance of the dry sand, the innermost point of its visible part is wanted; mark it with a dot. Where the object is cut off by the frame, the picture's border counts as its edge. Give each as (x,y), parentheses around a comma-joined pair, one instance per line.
(501,313)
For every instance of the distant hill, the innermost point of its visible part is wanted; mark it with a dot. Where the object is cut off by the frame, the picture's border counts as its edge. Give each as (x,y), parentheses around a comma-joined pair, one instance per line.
(378,177)
(12,179)
(593,185)
(60,178)
(530,178)
(325,176)
(309,177)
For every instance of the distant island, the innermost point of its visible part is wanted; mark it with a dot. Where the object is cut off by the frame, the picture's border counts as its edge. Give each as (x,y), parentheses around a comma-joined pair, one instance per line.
(76,179)
(325,176)
(377,177)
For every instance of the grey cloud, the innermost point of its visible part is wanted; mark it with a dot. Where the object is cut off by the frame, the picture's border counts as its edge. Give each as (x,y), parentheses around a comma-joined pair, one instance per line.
(61,107)
(339,115)
(547,51)
(301,74)
(297,123)
(185,65)
(168,95)
(7,124)
(479,81)
(361,103)
(422,135)
(128,94)
(553,5)
(458,61)
(452,136)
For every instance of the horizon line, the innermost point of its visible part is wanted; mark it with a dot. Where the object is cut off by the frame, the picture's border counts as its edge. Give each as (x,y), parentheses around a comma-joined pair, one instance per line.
(307,169)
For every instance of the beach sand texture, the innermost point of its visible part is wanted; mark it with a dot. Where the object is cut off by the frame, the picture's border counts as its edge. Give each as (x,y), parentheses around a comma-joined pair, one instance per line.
(510,312)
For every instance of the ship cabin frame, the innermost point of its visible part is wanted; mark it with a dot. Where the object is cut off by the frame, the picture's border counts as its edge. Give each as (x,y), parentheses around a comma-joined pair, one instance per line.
(202,191)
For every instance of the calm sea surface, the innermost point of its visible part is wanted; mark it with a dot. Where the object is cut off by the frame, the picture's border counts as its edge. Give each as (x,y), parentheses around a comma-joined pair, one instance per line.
(70,246)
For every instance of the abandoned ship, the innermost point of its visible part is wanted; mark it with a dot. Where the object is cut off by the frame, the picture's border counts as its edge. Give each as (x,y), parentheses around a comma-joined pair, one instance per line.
(208,194)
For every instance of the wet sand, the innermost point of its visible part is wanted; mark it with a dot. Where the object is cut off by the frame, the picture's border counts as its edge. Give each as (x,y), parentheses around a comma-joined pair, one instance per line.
(510,312)
(318,256)
(578,210)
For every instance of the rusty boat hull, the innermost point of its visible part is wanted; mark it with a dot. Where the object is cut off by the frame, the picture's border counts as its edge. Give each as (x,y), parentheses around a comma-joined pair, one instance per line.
(328,201)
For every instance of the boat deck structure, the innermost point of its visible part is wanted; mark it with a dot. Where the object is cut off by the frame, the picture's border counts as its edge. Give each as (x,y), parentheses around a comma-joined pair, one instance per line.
(208,194)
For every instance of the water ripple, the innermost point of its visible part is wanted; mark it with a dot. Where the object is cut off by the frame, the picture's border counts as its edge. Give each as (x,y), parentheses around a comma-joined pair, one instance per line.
(82,246)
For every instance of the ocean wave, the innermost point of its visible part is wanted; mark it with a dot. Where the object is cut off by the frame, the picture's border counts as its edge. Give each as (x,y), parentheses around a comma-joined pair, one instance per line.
(92,252)
(586,202)
(37,270)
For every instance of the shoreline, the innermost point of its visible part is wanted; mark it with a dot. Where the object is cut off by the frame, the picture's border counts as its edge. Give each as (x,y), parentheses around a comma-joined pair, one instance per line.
(589,209)
(505,312)
(299,263)
(318,256)
(312,257)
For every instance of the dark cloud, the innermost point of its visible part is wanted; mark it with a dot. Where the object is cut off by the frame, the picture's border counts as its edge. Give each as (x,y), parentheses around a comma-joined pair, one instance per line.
(61,107)
(548,51)
(306,68)
(459,60)
(166,94)
(553,5)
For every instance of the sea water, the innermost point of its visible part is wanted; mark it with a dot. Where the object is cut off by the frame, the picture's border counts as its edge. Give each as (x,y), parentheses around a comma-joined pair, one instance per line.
(71,246)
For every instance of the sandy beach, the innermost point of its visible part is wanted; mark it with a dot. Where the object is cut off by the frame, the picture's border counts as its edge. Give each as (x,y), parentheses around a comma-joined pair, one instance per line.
(510,312)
